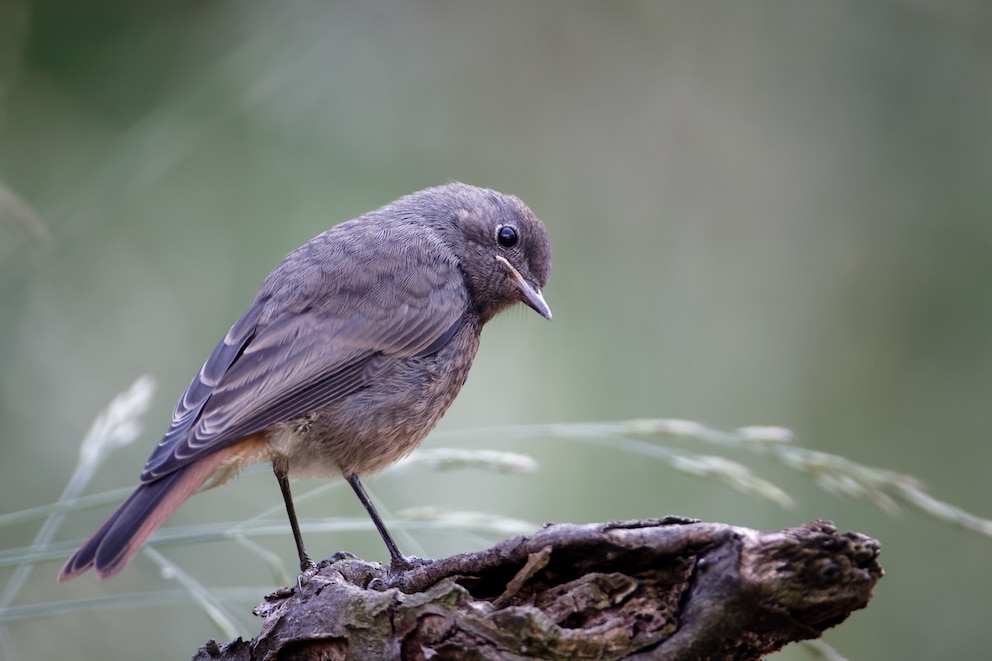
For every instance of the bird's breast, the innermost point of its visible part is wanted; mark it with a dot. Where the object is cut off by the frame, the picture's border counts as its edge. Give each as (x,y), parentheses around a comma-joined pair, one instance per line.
(383,421)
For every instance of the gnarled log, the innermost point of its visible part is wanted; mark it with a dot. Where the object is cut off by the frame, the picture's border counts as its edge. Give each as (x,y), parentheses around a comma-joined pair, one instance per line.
(667,588)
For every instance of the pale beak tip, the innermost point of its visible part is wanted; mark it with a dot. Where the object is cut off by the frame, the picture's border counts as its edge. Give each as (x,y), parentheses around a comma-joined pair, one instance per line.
(544,310)
(529,294)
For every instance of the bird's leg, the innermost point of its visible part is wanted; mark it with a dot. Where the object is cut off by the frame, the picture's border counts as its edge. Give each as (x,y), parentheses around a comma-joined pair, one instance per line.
(399,561)
(281,470)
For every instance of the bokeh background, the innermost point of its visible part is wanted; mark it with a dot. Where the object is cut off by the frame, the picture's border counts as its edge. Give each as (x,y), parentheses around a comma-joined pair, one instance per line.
(761,212)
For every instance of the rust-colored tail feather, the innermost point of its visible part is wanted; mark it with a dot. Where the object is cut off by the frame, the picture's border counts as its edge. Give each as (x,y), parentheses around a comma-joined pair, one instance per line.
(114,544)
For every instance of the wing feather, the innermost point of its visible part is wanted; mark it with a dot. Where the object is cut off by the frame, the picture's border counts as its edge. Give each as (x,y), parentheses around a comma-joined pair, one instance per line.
(278,366)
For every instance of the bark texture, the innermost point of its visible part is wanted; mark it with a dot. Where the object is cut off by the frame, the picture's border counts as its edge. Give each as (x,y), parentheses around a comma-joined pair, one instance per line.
(667,588)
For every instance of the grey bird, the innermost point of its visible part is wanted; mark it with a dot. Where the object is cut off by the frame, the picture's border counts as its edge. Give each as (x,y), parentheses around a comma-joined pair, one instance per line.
(356,344)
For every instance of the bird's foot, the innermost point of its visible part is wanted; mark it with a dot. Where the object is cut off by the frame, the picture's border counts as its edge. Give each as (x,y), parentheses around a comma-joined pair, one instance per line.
(404,563)
(308,569)
(397,567)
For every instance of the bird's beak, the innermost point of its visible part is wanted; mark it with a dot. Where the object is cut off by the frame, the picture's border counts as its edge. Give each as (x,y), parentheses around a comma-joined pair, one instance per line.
(531,294)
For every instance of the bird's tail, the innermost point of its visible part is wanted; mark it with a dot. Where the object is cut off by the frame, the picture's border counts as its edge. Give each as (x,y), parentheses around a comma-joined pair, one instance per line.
(112,546)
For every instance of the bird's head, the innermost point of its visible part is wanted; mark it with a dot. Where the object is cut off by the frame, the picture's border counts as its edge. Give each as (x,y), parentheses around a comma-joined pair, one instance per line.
(502,247)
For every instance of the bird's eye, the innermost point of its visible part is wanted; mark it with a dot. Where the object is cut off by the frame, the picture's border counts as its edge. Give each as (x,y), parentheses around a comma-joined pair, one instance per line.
(506,236)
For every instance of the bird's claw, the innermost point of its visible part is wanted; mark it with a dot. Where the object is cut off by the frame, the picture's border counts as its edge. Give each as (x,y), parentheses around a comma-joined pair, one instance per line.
(405,563)
(307,571)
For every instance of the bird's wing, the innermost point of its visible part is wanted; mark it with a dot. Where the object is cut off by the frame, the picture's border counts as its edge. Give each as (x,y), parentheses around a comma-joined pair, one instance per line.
(264,373)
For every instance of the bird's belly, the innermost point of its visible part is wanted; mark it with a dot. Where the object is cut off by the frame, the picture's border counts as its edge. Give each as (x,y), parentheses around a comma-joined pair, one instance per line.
(377,425)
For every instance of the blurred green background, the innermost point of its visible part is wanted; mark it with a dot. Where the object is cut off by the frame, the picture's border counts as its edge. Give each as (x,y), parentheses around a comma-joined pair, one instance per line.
(761,212)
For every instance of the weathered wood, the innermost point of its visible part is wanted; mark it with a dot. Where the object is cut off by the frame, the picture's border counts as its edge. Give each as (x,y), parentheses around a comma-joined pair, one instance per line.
(649,589)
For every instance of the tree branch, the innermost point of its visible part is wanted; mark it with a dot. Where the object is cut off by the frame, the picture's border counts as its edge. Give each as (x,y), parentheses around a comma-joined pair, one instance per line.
(649,589)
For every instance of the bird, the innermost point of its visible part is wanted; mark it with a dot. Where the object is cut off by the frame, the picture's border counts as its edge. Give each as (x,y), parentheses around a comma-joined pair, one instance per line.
(353,348)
